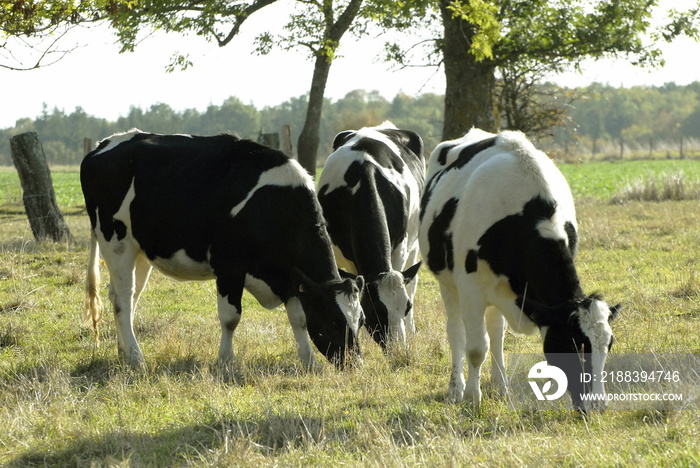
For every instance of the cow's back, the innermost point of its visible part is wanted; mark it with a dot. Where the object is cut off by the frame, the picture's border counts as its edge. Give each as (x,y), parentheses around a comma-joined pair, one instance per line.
(476,182)
(193,194)
(370,192)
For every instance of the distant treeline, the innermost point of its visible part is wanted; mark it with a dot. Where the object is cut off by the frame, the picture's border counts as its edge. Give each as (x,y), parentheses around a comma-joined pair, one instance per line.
(598,121)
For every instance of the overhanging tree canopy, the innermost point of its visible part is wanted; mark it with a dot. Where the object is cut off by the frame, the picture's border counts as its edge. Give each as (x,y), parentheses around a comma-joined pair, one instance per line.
(482,37)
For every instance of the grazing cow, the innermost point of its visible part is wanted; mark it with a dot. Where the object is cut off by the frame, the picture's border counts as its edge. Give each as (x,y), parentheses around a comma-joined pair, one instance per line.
(222,208)
(498,230)
(370,193)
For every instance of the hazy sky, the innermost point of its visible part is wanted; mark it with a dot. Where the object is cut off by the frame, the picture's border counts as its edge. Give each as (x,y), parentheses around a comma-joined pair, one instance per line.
(106,84)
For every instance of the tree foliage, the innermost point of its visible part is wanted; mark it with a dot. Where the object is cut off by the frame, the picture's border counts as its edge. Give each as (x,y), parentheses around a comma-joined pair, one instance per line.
(36,27)
(494,52)
(486,40)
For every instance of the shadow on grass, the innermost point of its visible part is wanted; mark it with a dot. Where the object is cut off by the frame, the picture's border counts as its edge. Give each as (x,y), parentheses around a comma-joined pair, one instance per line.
(267,436)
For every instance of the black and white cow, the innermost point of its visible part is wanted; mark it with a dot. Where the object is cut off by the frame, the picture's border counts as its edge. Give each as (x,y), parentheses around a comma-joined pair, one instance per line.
(370,193)
(200,208)
(498,230)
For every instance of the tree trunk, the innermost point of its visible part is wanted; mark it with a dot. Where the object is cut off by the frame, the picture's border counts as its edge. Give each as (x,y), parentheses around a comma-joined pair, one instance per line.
(307,145)
(308,142)
(39,198)
(470,85)
(622,146)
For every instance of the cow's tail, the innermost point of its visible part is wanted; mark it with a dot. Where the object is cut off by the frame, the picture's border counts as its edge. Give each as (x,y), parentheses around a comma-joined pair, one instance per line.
(92,305)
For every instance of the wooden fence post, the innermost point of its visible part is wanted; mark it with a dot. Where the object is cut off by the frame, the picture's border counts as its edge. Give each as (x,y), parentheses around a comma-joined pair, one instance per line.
(87,145)
(286,143)
(39,198)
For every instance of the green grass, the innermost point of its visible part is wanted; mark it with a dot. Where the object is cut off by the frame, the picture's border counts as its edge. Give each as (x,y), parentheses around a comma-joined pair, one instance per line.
(66,402)
(602,180)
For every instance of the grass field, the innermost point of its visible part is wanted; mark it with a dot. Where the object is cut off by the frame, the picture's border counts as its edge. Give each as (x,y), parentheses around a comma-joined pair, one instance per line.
(66,402)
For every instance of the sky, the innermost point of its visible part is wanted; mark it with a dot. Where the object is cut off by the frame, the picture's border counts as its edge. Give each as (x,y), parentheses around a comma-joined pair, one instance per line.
(105,83)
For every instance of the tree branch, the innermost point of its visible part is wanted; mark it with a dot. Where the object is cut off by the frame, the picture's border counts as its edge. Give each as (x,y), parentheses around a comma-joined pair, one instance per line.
(240,19)
(49,50)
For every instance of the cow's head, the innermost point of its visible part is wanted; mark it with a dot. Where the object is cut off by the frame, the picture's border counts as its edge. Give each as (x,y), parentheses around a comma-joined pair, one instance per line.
(386,304)
(577,338)
(333,315)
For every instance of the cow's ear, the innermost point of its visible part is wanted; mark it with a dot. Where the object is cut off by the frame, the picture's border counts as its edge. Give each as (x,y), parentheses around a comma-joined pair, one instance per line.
(414,142)
(411,273)
(614,311)
(407,138)
(360,283)
(346,275)
(341,138)
(357,279)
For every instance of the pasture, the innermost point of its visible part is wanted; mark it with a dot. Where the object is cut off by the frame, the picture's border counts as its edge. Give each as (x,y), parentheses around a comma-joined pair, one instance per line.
(66,401)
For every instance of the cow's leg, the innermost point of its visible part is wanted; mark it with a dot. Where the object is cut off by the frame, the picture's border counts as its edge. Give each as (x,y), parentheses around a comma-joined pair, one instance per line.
(229,309)
(495,325)
(411,288)
(143,272)
(120,257)
(473,309)
(456,336)
(297,319)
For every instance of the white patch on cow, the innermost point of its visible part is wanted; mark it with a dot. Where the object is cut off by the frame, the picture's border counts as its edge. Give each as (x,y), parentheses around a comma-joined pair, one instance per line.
(117,139)
(350,306)
(334,170)
(386,125)
(553,228)
(594,323)
(229,315)
(333,175)
(262,292)
(475,135)
(182,267)
(297,319)
(123,214)
(290,174)
(392,293)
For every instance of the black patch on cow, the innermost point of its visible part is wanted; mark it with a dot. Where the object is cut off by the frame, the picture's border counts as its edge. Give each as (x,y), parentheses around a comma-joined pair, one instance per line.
(573,237)
(380,152)
(515,249)
(471,261)
(342,138)
(441,254)
(425,198)
(405,139)
(120,229)
(442,157)
(98,171)
(102,145)
(353,174)
(370,223)
(468,153)
(465,156)
(376,314)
